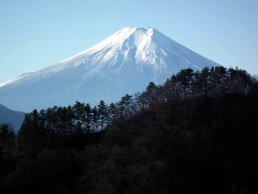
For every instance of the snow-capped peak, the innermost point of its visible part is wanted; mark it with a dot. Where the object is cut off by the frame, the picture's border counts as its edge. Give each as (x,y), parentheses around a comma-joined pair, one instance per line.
(123,63)
(116,40)
(144,45)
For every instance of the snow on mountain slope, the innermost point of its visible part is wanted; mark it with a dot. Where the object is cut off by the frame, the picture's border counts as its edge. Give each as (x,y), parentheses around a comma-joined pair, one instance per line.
(123,63)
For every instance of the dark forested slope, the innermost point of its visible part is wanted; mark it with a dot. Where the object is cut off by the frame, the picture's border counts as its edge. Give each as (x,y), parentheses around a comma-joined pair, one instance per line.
(197,133)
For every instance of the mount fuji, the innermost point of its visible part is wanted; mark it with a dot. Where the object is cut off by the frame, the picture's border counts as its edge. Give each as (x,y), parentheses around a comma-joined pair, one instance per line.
(123,63)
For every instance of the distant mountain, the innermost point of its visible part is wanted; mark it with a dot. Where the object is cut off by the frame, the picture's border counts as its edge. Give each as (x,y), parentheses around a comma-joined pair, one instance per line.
(14,118)
(123,63)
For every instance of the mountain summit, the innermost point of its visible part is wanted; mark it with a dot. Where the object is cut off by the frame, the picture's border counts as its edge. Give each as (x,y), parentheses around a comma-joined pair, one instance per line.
(123,63)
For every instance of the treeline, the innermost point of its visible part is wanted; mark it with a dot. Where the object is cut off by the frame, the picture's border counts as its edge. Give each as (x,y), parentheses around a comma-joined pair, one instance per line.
(82,119)
(197,133)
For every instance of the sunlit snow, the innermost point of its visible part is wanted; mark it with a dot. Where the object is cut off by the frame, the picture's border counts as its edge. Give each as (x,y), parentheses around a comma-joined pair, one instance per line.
(123,63)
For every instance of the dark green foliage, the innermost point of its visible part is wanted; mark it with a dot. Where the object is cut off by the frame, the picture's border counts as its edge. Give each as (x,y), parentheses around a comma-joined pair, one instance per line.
(48,172)
(7,150)
(7,141)
(197,133)
(103,117)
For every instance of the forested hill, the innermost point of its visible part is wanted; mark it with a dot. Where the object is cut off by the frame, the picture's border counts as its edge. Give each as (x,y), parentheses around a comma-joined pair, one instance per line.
(197,133)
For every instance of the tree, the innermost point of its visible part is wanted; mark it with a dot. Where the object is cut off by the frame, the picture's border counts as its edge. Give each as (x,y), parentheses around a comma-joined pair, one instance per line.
(86,118)
(127,107)
(185,79)
(102,115)
(32,138)
(112,112)
(203,82)
(7,141)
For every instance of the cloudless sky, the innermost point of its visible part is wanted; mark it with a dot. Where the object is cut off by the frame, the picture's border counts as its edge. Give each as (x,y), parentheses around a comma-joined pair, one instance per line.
(37,33)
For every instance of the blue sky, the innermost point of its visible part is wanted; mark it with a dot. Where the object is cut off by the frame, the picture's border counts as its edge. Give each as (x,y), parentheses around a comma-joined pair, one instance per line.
(37,33)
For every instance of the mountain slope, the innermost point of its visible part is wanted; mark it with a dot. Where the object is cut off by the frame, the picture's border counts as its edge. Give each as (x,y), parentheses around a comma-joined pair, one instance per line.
(14,118)
(123,63)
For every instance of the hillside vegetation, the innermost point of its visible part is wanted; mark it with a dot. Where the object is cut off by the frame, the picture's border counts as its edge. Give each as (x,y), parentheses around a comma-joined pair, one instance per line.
(197,133)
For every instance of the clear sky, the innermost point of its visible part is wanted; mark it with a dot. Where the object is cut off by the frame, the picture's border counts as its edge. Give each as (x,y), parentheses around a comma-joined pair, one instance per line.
(37,33)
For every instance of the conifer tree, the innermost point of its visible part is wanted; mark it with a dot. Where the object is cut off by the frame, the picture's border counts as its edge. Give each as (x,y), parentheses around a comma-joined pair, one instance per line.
(102,115)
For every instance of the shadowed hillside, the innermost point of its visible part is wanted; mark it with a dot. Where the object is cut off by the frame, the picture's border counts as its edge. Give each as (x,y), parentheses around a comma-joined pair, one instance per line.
(197,133)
